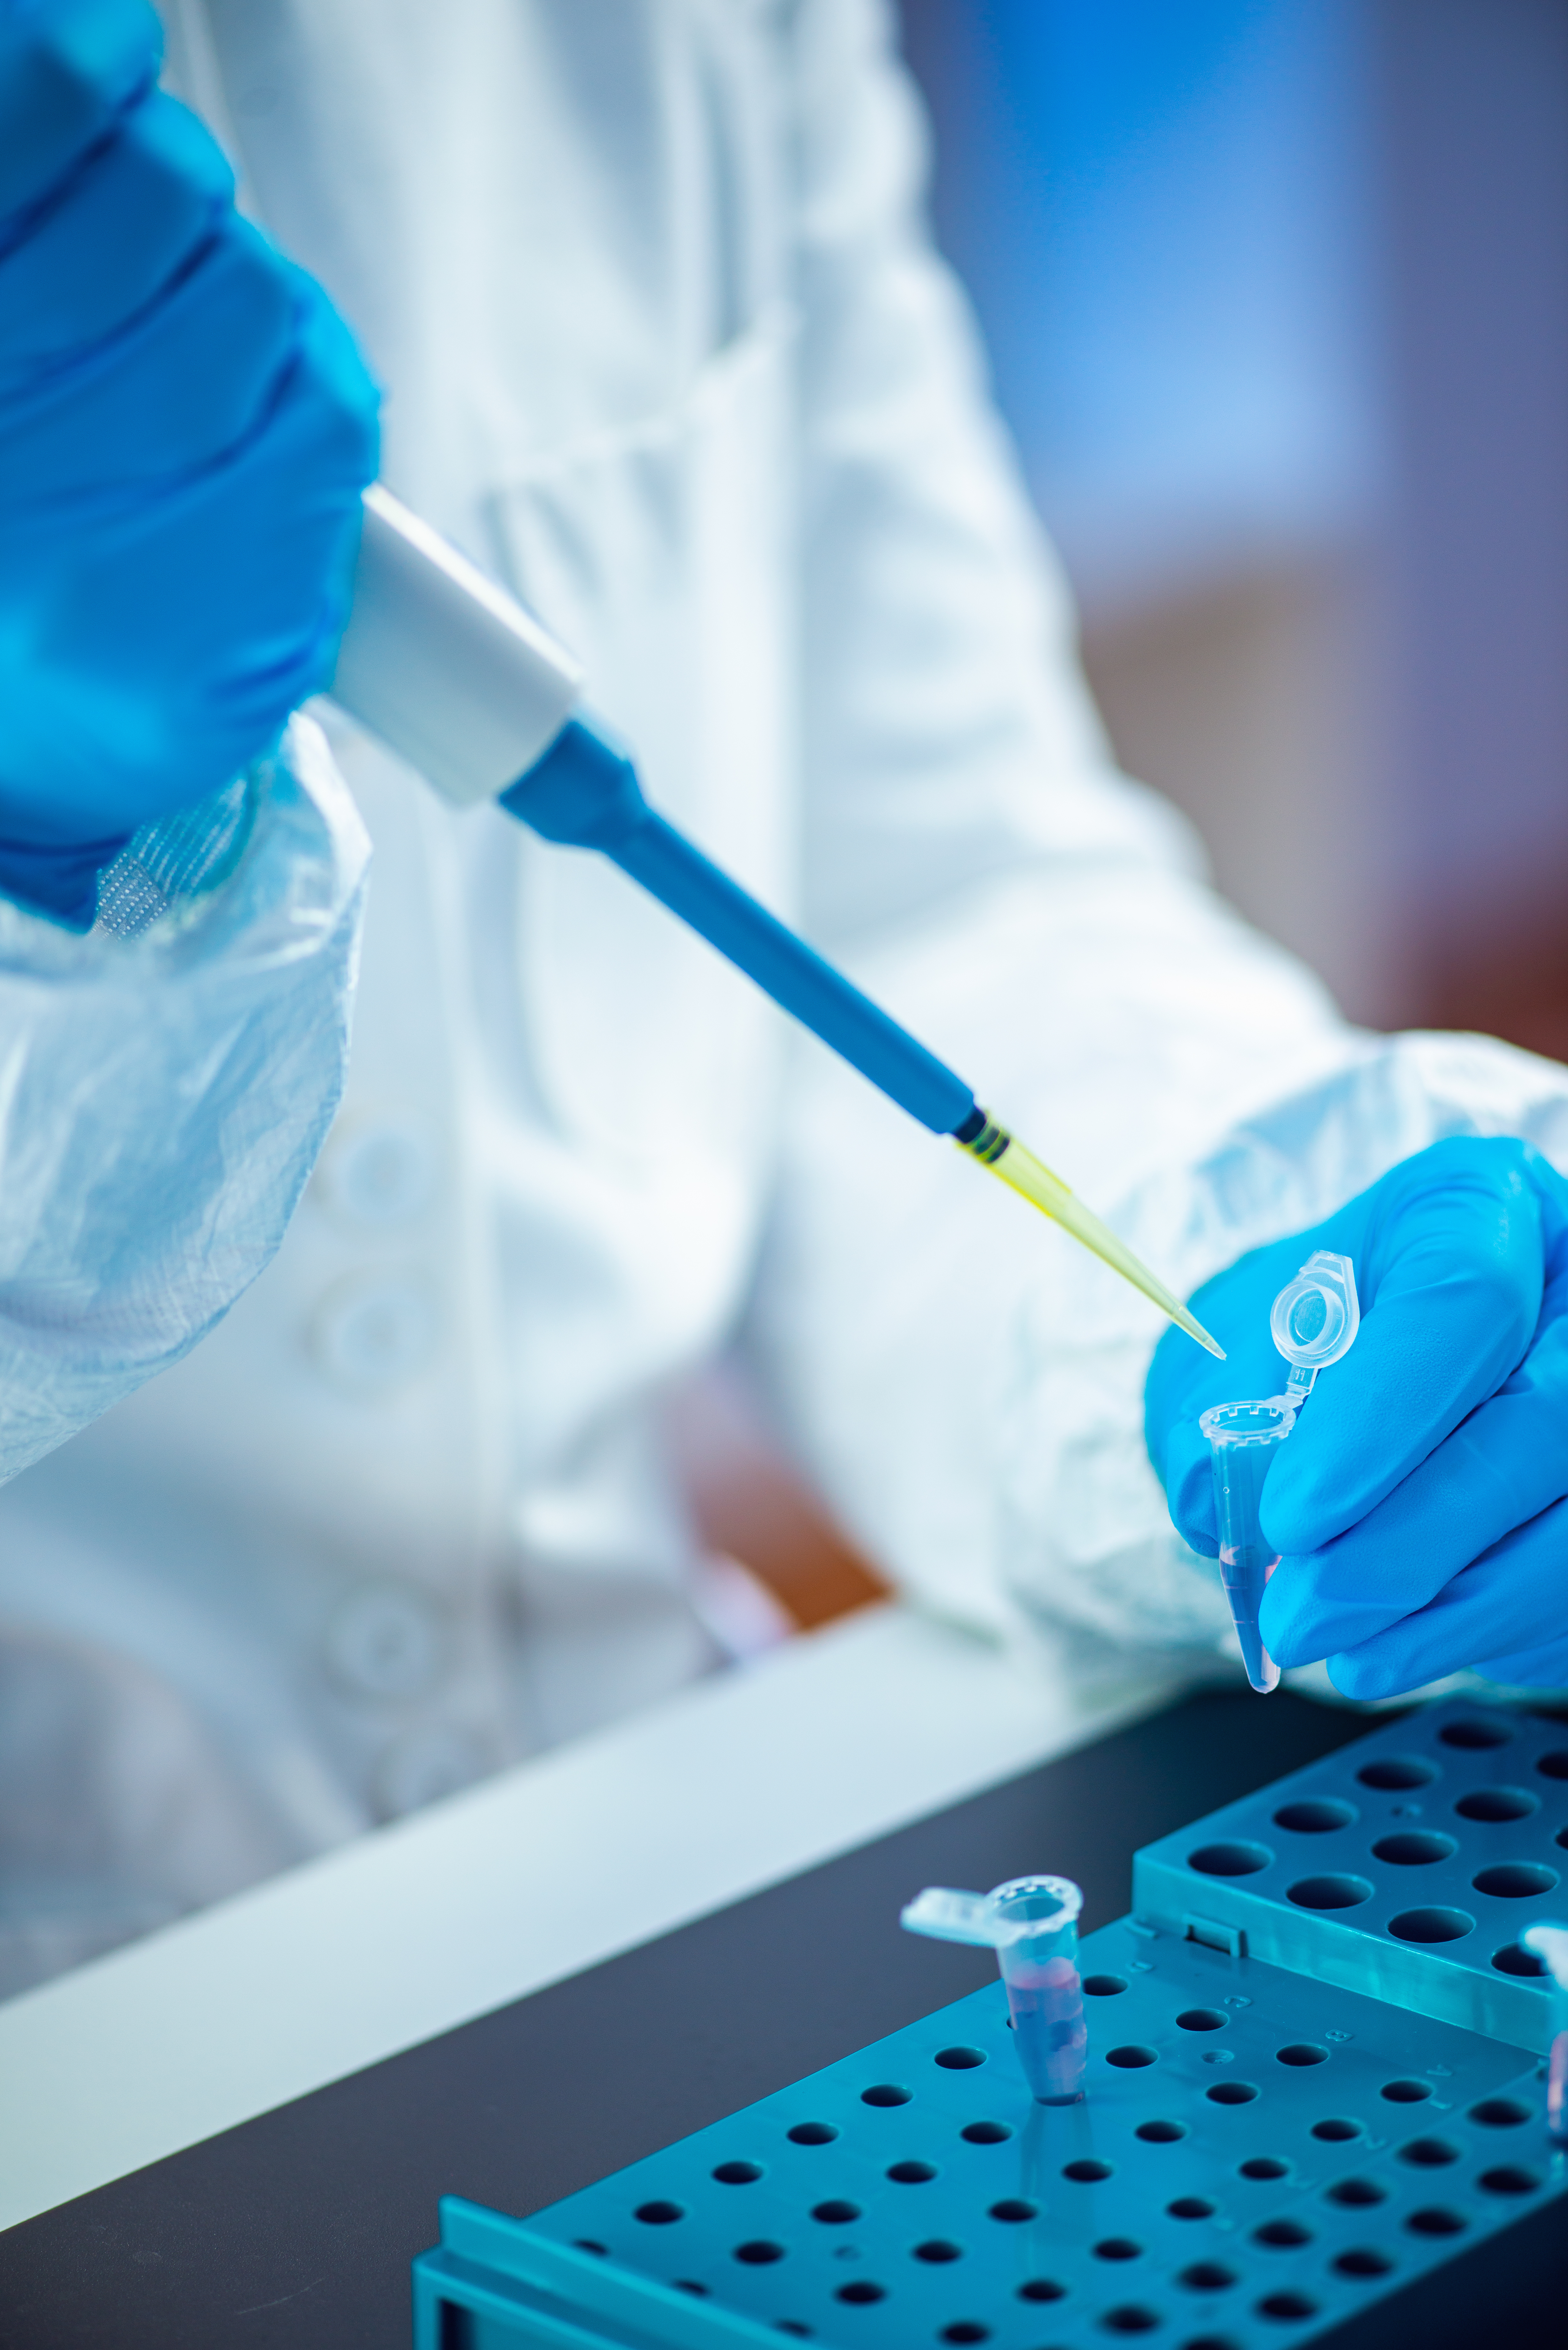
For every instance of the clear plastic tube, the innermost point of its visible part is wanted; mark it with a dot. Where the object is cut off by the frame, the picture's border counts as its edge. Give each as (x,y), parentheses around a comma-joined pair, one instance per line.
(1044,1993)
(1031,1924)
(1550,1942)
(1243,1439)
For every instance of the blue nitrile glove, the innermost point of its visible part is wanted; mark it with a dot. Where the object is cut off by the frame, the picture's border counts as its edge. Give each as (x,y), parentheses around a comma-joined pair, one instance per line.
(1418,1506)
(185,427)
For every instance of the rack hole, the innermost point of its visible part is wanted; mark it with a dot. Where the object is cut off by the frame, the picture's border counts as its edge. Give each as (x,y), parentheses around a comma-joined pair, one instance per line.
(1337,2127)
(986,2133)
(1118,2248)
(939,2250)
(658,2214)
(960,2060)
(1041,2289)
(885,2093)
(1013,2209)
(1355,2194)
(1103,1986)
(1555,1764)
(1362,2261)
(861,2292)
(1318,1818)
(1191,2207)
(964,2329)
(1207,2276)
(912,2174)
(1436,2219)
(1300,2052)
(1130,2317)
(1202,2019)
(1329,1892)
(1500,2112)
(1160,2133)
(1474,1731)
(1513,1959)
(1396,1774)
(1509,2179)
(1494,1804)
(586,2244)
(1130,2058)
(813,2133)
(1429,2153)
(691,2285)
(1231,2092)
(835,2212)
(1263,2165)
(1431,1925)
(792,2325)
(1087,2170)
(1283,2235)
(737,2174)
(1287,2305)
(1514,1880)
(759,2252)
(1414,1848)
(1233,1859)
(1406,2092)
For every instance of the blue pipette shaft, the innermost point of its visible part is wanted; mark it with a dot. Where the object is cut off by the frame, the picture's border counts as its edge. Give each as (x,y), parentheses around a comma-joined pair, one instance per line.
(585,793)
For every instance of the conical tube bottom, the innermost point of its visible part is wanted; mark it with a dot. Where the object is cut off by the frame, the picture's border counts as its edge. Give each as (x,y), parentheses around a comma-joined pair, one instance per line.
(1244,1589)
(1019,1169)
(1243,1439)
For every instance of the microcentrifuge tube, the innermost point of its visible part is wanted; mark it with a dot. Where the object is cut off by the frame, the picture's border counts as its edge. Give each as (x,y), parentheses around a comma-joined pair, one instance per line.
(1551,1942)
(1313,1322)
(1243,1439)
(1031,1924)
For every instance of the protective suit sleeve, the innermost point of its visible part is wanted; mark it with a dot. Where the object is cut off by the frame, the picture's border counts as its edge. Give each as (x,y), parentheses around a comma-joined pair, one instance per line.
(165,1085)
(964,1382)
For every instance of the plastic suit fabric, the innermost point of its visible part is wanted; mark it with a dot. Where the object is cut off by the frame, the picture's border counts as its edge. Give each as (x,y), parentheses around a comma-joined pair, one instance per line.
(667,348)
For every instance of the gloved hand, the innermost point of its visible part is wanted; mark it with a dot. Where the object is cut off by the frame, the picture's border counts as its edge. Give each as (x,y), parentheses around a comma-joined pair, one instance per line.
(1418,1505)
(185,427)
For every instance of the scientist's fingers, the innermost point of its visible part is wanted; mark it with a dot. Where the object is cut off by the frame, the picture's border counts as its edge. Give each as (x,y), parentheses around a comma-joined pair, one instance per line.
(1501,1468)
(1507,1606)
(1457,1273)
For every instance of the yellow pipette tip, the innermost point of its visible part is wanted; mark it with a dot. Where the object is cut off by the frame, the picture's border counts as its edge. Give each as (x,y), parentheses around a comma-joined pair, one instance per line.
(1007,1159)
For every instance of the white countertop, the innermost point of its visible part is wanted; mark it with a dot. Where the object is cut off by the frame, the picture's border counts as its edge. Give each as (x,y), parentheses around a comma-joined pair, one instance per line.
(737,1782)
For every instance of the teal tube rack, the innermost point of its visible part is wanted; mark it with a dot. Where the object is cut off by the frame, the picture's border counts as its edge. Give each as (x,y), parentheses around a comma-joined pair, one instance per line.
(1306,2118)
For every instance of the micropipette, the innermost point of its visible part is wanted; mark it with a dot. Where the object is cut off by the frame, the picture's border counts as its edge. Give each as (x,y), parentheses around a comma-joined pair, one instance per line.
(1031,1924)
(1313,1322)
(1551,1942)
(457,679)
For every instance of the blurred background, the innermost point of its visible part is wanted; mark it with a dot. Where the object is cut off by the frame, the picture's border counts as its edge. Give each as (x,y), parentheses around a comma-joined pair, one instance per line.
(1276,294)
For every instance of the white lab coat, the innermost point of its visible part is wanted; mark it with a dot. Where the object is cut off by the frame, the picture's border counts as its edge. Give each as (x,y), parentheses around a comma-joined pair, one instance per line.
(666,347)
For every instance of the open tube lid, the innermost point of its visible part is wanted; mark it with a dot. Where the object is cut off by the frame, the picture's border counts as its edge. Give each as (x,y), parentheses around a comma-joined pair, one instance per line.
(993,1920)
(1314,1319)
